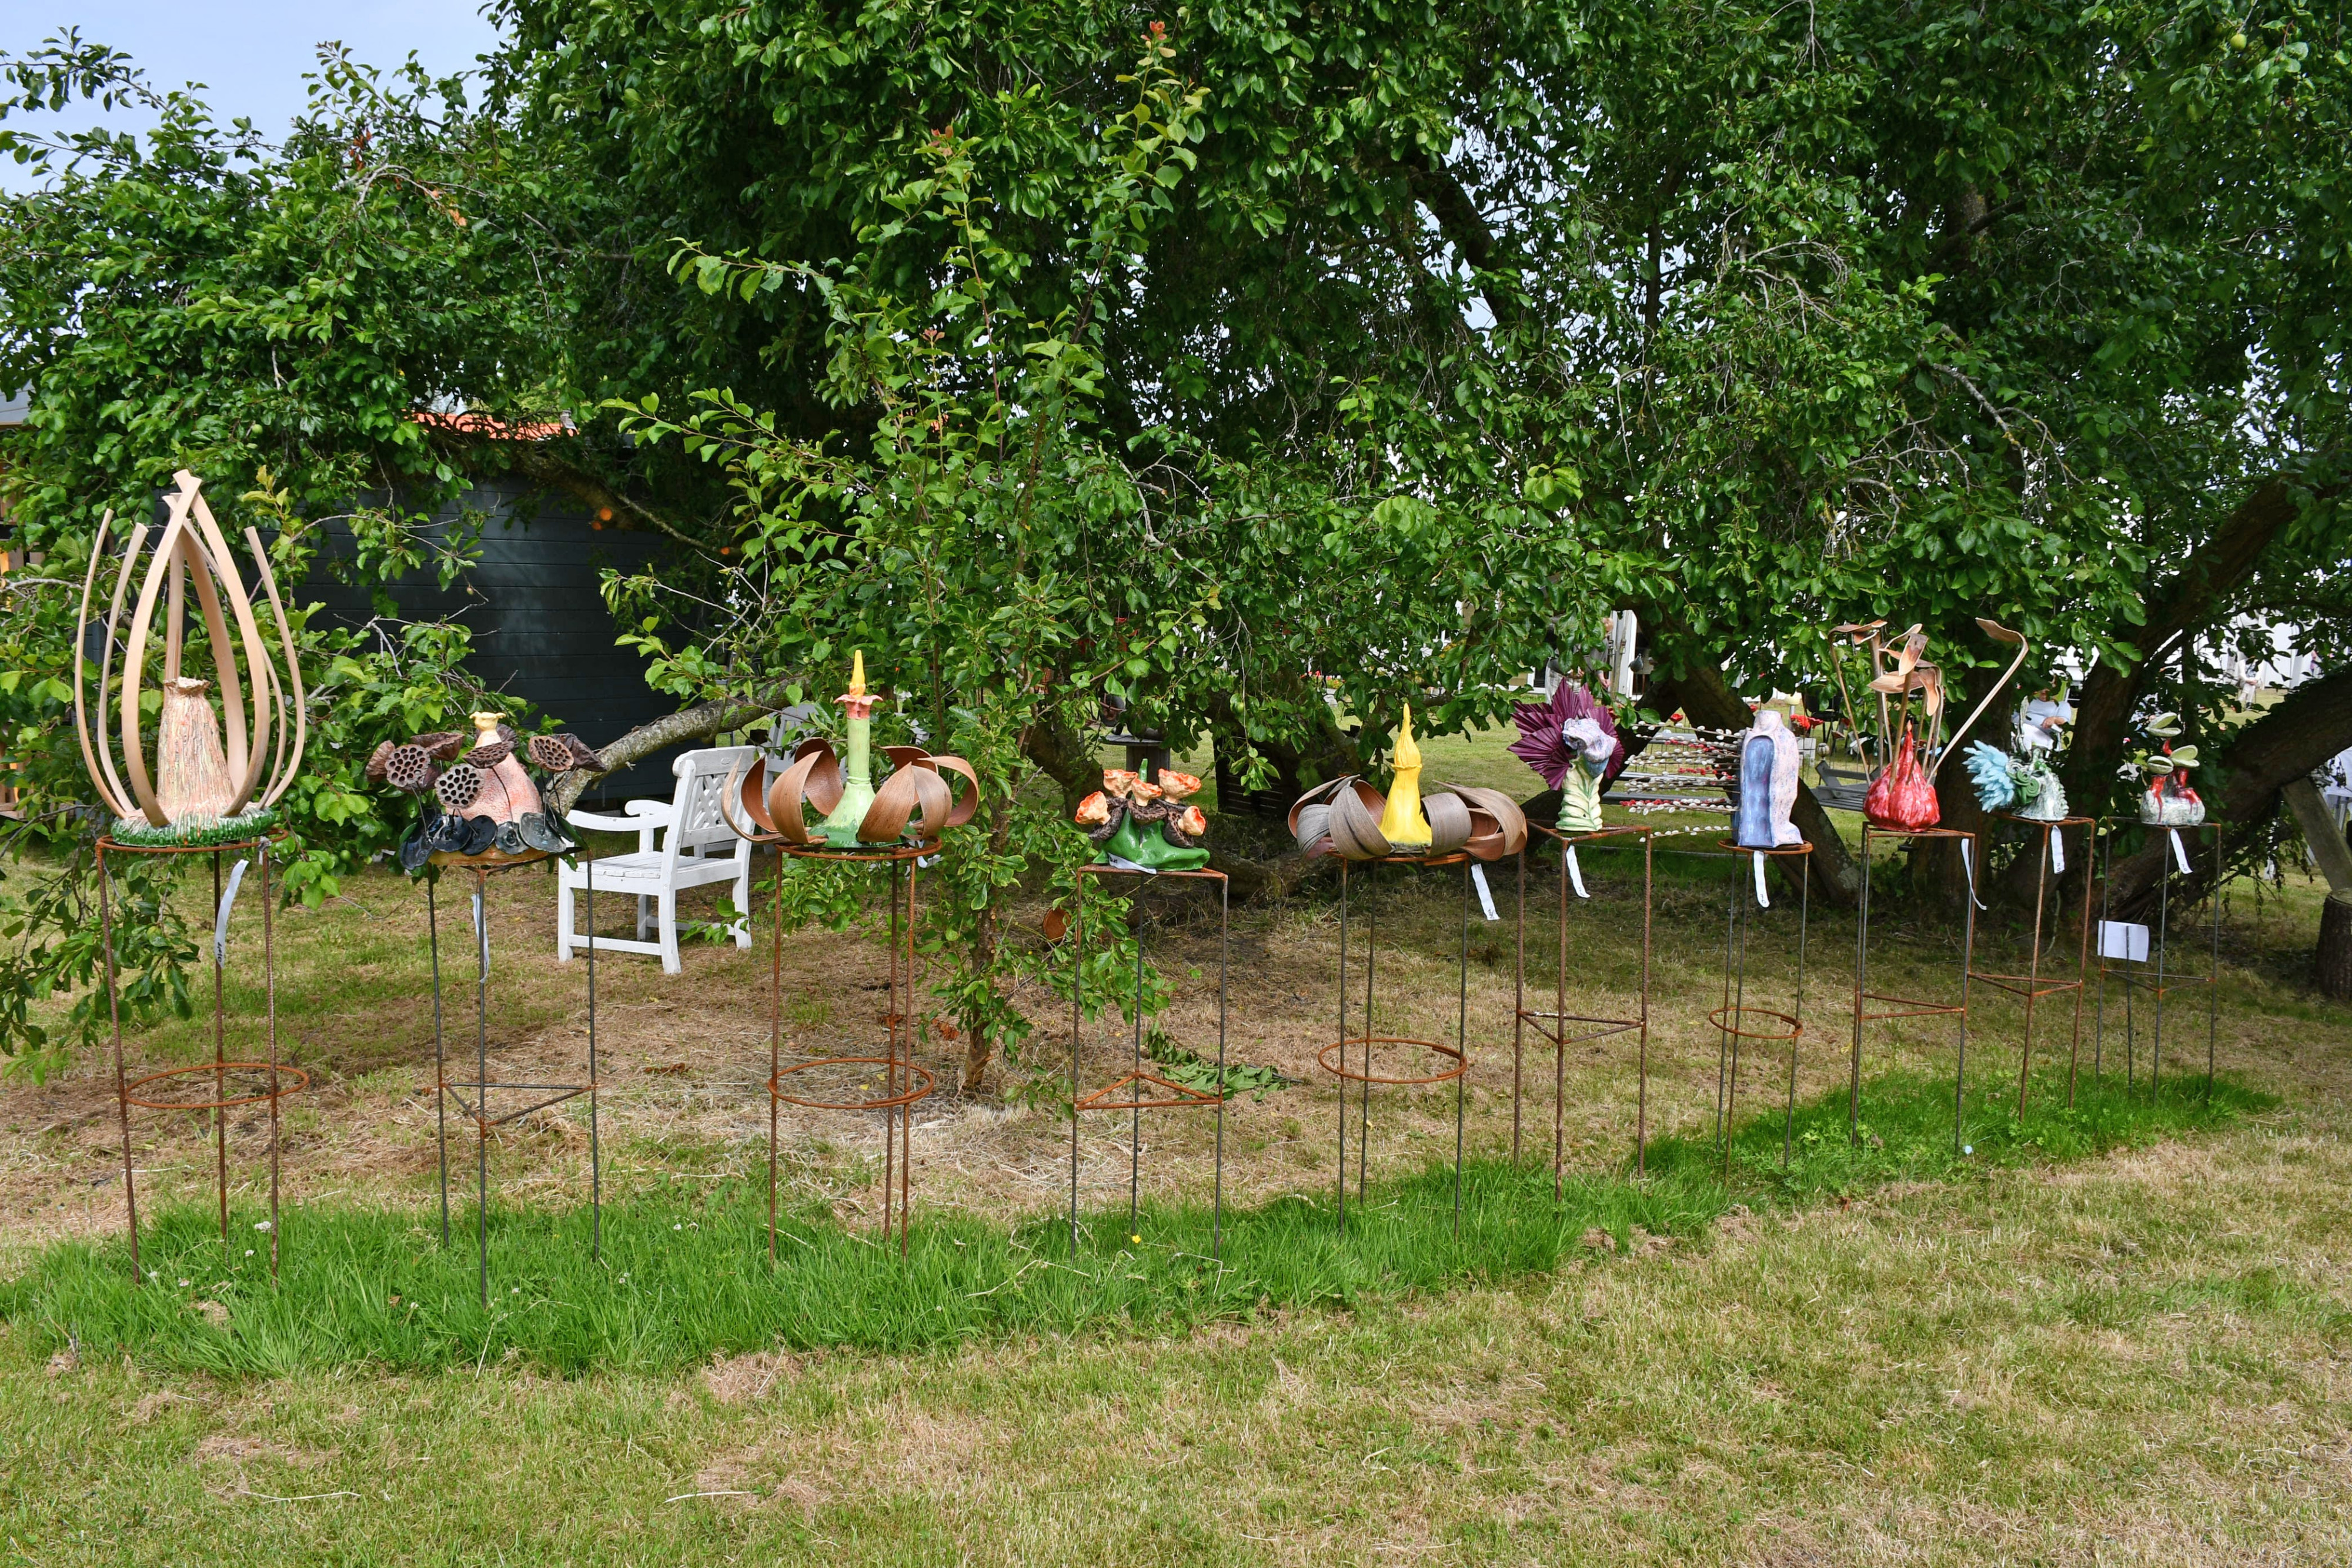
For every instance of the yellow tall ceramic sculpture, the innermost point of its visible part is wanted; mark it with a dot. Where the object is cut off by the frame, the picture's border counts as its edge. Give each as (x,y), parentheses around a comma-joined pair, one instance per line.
(1402,822)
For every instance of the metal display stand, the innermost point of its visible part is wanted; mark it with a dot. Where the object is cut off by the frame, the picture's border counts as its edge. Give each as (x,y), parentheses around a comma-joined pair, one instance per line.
(2030,986)
(1556,1024)
(1910,1007)
(903,1083)
(472,1095)
(1147,1091)
(2164,981)
(1333,1057)
(276,1084)
(1735,1021)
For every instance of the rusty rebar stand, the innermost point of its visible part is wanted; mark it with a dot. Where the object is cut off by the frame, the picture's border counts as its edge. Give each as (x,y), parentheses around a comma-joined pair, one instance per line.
(2030,986)
(2164,981)
(1147,1091)
(1910,1007)
(1733,1018)
(1333,1057)
(276,1074)
(903,1083)
(477,1109)
(1556,1024)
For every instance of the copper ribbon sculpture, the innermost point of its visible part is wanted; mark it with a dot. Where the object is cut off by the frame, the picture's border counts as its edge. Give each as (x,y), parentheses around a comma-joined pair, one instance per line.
(915,797)
(1342,818)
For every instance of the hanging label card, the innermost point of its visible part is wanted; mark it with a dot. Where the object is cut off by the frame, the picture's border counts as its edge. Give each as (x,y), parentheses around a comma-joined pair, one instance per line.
(1485,894)
(2179,850)
(2123,939)
(482,937)
(1763,899)
(220,920)
(1575,872)
(2058,851)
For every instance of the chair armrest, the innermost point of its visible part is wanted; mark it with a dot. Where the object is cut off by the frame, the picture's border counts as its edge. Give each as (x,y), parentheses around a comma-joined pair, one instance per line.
(644,818)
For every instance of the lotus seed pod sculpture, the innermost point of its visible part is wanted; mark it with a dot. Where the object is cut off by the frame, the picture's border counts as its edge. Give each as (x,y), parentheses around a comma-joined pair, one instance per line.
(204,788)
(479,802)
(1573,744)
(1145,823)
(1349,818)
(915,804)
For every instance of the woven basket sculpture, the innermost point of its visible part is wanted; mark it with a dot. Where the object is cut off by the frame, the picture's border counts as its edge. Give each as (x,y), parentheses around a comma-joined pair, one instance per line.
(201,790)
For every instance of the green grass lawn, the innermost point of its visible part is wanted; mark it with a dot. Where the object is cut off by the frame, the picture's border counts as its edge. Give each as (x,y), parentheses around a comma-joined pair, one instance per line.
(2114,1333)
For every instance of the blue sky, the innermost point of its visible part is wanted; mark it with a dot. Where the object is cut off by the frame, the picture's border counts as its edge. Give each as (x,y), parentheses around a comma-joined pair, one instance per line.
(250,54)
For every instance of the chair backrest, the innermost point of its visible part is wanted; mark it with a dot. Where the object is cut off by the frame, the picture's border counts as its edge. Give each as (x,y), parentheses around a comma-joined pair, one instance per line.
(701,778)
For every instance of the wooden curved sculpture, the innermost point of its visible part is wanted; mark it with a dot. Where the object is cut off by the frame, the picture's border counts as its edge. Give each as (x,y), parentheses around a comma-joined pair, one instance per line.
(201,790)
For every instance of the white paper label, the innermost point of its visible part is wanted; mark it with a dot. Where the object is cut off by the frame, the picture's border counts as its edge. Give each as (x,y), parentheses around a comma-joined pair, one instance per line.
(1485,894)
(1575,872)
(220,920)
(2123,939)
(1969,865)
(1763,899)
(2179,850)
(482,937)
(2058,851)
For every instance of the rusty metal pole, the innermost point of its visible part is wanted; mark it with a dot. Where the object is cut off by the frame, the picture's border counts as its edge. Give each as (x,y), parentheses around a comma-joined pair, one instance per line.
(122,1089)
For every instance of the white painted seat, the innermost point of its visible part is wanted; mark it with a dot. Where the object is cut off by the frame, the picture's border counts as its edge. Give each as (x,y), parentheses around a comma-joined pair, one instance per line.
(690,828)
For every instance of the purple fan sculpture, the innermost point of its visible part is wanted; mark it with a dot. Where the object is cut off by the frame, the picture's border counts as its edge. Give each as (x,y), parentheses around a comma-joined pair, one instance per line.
(1572,743)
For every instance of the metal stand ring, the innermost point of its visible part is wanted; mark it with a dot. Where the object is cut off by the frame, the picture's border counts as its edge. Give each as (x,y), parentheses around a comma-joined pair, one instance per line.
(1461,1060)
(891,1102)
(301,1081)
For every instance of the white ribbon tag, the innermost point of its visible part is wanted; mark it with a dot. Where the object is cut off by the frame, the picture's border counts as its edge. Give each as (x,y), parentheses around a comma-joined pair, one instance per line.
(220,921)
(2058,851)
(1575,872)
(1969,865)
(2179,850)
(1485,894)
(481,938)
(1763,899)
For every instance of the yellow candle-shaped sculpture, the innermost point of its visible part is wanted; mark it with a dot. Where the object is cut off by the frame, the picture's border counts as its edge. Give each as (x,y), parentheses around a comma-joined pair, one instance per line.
(1402,824)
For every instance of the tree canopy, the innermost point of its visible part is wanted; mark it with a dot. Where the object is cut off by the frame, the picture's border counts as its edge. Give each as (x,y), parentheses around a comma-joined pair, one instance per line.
(1058,349)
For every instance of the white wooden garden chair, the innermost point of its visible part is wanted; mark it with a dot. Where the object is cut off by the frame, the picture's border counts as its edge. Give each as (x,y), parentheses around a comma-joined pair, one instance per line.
(690,828)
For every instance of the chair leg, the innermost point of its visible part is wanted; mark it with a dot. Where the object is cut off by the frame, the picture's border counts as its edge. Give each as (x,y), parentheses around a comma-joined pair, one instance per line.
(563,919)
(668,920)
(645,917)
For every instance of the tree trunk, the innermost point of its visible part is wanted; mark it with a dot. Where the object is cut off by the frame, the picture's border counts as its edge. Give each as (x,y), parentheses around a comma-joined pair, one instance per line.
(2178,607)
(980,1044)
(698,723)
(2332,968)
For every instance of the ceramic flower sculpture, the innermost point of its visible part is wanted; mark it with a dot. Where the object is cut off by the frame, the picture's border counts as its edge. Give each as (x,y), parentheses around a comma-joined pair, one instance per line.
(1350,819)
(1145,822)
(914,805)
(1573,744)
(2168,801)
(480,802)
(203,790)
(2020,783)
(1767,784)
(1902,796)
